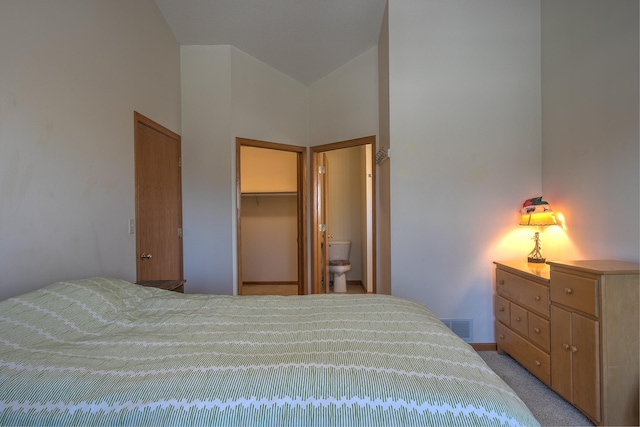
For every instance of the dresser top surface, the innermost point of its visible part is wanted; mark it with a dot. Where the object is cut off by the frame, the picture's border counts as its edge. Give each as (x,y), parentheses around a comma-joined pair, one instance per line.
(602,266)
(533,269)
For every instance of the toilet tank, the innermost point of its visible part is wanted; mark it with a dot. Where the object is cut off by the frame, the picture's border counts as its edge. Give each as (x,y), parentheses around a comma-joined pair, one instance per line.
(339,249)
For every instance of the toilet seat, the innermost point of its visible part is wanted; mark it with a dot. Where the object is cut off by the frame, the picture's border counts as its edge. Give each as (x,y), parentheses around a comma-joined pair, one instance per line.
(339,266)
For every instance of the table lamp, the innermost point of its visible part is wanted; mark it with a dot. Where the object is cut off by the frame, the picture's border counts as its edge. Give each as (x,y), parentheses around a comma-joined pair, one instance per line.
(538,213)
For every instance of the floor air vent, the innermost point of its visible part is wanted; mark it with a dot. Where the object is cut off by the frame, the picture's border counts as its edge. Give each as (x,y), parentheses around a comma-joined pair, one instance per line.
(461,327)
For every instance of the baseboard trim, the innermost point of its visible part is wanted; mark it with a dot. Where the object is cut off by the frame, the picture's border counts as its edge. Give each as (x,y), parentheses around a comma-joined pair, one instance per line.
(491,346)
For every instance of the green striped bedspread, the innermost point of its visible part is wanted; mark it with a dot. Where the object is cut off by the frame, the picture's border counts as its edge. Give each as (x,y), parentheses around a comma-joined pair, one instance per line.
(100,352)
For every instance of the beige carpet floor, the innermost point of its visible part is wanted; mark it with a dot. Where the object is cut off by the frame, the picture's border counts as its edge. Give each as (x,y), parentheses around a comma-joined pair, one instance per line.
(548,407)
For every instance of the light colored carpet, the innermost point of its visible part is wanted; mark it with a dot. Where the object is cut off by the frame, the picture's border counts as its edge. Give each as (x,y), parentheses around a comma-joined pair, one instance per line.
(548,407)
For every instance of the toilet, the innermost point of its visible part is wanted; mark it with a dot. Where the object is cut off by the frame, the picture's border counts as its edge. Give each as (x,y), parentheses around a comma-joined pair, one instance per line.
(339,263)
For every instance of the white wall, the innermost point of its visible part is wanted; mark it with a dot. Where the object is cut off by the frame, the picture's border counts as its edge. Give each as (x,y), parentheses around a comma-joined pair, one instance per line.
(464,99)
(343,105)
(465,124)
(269,238)
(229,94)
(590,127)
(383,196)
(71,75)
(208,163)
(267,104)
(346,209)
(226,94)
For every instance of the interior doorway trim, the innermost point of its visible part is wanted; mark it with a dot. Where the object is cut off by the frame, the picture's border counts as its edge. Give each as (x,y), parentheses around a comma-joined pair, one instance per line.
(316,250)
(301,196)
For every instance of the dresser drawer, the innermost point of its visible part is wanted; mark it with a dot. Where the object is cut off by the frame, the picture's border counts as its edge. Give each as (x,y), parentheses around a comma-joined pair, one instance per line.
(577,292)
(503,312)
(532,358)
(525,292)
(539,332)
(519,320)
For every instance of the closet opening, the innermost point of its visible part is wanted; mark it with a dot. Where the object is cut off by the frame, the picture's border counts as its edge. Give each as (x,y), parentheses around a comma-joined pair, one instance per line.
(271,218)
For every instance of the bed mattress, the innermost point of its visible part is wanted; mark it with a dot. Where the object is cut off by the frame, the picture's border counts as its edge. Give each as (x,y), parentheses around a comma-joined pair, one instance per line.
(108,352)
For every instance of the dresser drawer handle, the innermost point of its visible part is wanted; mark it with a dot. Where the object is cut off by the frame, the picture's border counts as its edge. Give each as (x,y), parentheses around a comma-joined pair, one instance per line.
(568,291)
(538,363)
(501,336)
(501,309)
(566,346)
(537,298)
(518,319)
(573,349)
(536,330)
(501,282)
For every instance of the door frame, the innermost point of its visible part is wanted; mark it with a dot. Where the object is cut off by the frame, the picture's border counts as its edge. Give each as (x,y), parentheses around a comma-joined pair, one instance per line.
(301,196)
(141,120)
(321,213)
(316,250)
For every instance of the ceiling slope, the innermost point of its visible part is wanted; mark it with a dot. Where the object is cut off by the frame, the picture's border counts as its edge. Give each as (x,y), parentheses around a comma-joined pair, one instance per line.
(305,39)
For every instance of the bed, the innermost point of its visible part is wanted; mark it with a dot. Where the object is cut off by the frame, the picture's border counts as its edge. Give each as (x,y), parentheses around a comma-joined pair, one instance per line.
(108,352)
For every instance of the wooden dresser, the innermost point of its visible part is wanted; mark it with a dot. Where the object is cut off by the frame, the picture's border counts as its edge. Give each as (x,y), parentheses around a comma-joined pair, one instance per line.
(522,315)
(575,326)
(594,338)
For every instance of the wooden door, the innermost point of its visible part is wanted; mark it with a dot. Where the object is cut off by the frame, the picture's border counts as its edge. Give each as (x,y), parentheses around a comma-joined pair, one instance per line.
(323,218)
(586,364)
(561,352)
(320,243)
(158,201)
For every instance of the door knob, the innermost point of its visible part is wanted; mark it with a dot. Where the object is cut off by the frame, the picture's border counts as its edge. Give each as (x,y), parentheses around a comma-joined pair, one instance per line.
(145,256)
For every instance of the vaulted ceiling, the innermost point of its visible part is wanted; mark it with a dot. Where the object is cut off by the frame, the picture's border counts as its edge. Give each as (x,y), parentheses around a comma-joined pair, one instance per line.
(305,39)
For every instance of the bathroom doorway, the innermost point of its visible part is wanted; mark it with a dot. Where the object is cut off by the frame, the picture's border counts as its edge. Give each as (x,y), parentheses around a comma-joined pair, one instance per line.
(343,208)
(271,218)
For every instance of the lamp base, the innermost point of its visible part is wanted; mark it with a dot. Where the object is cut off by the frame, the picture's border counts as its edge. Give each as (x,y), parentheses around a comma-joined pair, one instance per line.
(535,255)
